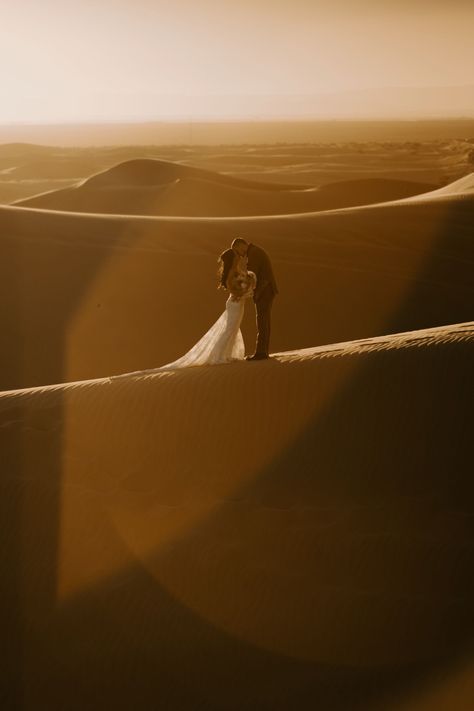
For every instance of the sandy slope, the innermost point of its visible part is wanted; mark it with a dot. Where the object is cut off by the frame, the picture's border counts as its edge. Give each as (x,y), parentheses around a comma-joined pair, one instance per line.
(288,534)
(88,295)
(463,186)
(157,187)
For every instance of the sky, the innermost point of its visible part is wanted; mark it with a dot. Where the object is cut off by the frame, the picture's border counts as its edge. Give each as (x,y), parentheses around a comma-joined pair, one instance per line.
(86,60)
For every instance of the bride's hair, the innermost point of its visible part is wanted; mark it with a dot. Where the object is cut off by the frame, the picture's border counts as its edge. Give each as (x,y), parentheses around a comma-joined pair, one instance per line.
(224,264)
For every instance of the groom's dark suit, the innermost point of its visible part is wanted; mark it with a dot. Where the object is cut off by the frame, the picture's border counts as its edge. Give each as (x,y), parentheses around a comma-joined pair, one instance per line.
(258,262)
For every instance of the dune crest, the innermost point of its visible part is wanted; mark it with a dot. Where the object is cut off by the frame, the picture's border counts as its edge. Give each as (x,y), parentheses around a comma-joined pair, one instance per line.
(408,339)
(463,186)
(158,187)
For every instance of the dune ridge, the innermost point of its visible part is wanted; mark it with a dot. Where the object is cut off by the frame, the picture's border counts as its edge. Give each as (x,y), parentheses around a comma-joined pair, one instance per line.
(463,186)
(463,332)
(158,187)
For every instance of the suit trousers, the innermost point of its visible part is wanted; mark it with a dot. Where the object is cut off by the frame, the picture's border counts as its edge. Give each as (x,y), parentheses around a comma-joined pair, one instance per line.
(263,306)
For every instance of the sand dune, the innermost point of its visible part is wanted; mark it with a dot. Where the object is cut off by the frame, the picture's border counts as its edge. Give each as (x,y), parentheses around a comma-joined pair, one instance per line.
(27,170)
(146,172)
(156,187)
(295,533)
(88,295)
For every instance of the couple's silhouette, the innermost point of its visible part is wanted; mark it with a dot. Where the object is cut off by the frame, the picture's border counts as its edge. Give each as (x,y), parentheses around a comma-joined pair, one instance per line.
(245,271)
(252,265)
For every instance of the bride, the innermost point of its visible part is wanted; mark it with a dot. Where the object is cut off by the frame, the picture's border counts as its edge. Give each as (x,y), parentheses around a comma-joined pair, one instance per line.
(223,342)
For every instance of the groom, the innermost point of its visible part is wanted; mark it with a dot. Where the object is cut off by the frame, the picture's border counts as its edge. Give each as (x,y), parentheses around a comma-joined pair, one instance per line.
(258,261)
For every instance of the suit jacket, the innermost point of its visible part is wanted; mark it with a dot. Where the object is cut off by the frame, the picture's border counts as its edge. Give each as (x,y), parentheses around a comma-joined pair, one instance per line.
(258,262)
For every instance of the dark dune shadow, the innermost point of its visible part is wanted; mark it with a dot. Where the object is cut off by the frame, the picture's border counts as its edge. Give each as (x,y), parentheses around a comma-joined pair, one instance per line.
(128,640)
(393,447)
(445,284)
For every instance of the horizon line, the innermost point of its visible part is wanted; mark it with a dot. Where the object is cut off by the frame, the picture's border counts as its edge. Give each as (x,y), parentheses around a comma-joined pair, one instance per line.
(238,119)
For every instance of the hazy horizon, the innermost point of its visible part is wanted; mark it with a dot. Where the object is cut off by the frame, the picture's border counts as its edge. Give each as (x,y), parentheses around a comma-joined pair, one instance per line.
(384,104)
(121,62)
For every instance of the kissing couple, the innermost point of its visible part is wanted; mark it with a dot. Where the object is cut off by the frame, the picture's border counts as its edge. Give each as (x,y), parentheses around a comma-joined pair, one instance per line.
(245,272)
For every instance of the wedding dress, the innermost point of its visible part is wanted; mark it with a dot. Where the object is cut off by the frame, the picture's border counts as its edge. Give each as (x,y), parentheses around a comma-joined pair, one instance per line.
(223,342)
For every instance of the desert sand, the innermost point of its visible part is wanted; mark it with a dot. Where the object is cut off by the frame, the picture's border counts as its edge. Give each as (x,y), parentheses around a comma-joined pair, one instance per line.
(295,533)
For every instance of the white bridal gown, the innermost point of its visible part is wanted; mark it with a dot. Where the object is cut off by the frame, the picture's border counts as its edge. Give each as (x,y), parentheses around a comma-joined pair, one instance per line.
(223,342)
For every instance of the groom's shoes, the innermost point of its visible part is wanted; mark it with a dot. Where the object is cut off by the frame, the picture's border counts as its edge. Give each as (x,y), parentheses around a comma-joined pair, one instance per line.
(258,356)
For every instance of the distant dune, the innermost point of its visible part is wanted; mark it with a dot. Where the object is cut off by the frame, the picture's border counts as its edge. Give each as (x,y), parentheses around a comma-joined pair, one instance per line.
(27,170)
(295,533)
(154,187)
